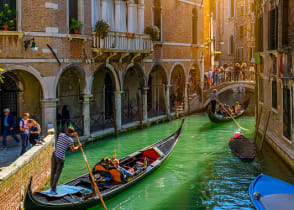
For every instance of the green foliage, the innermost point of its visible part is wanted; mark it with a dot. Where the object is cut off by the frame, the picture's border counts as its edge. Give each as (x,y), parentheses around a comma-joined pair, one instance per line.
(153,31)
(7,16)
(102,28)
(75,25)
(1,77)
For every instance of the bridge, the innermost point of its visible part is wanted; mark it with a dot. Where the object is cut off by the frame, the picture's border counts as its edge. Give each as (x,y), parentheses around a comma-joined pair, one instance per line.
(198,102)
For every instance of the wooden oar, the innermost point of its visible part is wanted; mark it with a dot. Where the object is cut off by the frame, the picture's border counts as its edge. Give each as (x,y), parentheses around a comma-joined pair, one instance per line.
(236,121)
(91,175)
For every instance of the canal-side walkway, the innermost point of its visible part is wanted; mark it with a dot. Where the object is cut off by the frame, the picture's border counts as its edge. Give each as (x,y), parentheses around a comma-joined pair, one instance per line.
(7,156)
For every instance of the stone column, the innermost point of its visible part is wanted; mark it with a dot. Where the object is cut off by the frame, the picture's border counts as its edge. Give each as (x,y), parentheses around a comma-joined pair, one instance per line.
(186,97)
(104,10)
(117,14)
(140,26)
(48,114)
(168,98)
(131,16)
(145,104)
(117,100)
(86,115)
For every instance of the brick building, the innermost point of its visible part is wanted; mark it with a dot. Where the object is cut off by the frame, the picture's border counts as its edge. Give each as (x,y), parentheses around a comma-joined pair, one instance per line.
(91,80)
(274,57)
(233,31)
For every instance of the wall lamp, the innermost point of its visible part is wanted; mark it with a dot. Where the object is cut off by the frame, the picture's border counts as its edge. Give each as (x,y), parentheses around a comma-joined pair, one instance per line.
(33,45)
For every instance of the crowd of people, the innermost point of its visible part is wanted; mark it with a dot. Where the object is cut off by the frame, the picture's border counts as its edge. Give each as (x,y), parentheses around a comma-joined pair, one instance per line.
(228,73)
(28,128)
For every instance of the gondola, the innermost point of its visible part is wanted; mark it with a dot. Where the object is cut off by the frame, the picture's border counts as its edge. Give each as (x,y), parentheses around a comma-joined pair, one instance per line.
(269,193)
(220,119)
(242,147)
(153,156)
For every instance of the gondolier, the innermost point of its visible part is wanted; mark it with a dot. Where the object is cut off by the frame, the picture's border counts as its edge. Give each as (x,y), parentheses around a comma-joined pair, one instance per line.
(213,100)
(57,162)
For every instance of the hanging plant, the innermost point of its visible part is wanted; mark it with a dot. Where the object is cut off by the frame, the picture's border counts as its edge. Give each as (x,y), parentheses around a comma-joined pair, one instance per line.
(102,28)
(75,26)
(153,31)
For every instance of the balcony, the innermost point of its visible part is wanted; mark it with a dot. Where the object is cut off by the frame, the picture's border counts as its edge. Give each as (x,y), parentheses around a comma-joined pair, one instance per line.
(122,44)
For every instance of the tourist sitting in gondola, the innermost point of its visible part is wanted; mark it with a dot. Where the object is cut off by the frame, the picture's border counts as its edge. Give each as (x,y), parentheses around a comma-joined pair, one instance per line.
(238,107)
(221,110)
(126,173)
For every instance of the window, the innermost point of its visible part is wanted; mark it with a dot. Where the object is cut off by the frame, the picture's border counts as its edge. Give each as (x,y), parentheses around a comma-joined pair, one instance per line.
(12,7)
(157,15)
(286,112)
(194,26)
(231,45)
(259,34)
(95,12)
(285,22)
(274,94)
(241,32)
(274,60)
(273,29)
(231,8)
(72,11)
(260,92)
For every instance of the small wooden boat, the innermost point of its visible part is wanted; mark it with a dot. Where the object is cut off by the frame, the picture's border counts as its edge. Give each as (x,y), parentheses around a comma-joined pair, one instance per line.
(268,193)
(242,147)
(220,119)
(159,152)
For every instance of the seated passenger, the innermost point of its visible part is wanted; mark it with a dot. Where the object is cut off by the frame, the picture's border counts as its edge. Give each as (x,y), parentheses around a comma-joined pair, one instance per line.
(221,110)
(126,173)
(238,107)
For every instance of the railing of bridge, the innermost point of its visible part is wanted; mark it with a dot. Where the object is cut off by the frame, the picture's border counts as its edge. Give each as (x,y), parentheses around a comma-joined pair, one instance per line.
(219,79)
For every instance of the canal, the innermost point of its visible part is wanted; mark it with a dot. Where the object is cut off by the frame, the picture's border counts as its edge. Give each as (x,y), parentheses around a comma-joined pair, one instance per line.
(201,173)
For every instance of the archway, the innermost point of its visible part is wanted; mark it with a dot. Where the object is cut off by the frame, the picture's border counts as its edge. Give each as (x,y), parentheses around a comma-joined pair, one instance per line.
(70,89)
(156,93)
(21,92)
(102,105)
(133,84)
(177,91)
(194,81)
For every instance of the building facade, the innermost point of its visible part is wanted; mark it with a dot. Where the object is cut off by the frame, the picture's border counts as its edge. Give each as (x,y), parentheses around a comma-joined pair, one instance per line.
(274,58)
(233,31)
(62,78)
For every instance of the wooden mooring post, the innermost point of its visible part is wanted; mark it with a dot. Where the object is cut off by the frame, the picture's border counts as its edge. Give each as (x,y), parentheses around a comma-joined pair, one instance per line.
(257,124)
(140,110)
(114,118)
(165,102)
(265,130)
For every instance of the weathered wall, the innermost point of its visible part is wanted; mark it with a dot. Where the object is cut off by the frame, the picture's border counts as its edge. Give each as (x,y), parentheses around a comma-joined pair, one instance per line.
(14,179)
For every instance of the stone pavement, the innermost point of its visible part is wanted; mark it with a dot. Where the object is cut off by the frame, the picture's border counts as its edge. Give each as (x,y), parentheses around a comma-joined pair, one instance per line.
(9,155)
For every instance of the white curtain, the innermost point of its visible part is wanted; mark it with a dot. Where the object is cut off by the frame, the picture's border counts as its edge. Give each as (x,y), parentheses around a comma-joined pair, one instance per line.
(96,12)
(136,19)
(110,14)
(123,18)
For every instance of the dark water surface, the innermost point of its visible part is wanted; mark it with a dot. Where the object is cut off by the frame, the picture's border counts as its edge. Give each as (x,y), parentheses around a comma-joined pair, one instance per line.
(201,173)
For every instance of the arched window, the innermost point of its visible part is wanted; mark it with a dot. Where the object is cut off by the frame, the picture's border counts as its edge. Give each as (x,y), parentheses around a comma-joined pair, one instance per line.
(157,15)
(231,45)
(231,8)
(194,26)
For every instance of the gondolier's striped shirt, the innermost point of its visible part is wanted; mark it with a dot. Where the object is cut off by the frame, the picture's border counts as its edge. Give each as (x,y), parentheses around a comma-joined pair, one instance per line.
(63,143)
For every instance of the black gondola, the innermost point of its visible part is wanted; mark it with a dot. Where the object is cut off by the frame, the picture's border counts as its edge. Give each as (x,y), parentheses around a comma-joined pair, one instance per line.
(163,148)
(242,147)
(219,119)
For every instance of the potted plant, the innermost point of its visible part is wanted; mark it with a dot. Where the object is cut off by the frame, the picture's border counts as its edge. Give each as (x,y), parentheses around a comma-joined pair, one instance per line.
(75,26)
(7,18)
(102,28)
(153,31)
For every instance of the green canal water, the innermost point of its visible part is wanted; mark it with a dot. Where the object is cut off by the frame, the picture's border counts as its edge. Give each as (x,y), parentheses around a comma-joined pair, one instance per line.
(201,172)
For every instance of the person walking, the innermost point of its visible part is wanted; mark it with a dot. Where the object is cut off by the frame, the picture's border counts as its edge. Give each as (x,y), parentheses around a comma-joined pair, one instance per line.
(64,142)
(244,71)
(24,132)
(236,72)
(9,123)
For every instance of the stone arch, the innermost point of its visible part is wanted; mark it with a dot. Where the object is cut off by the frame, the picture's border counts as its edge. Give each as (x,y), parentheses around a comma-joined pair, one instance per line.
(70,88)
(157,82)
(174,66)
(177,82)
(133,84)
(194,79)
(22,91)
(154,66)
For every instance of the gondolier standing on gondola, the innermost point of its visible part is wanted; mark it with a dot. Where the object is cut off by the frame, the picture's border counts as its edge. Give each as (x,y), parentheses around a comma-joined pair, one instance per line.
(57,162)
(213,100)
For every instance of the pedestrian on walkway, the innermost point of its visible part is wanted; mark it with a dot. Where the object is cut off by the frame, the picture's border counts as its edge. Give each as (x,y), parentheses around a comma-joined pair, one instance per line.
(57,161)
(24,132)
(237,72)
(251,72)
(35,131)
(244,71)
(9,124)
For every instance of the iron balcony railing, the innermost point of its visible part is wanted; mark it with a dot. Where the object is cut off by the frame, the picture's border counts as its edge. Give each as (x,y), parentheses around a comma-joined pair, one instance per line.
(123,42)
